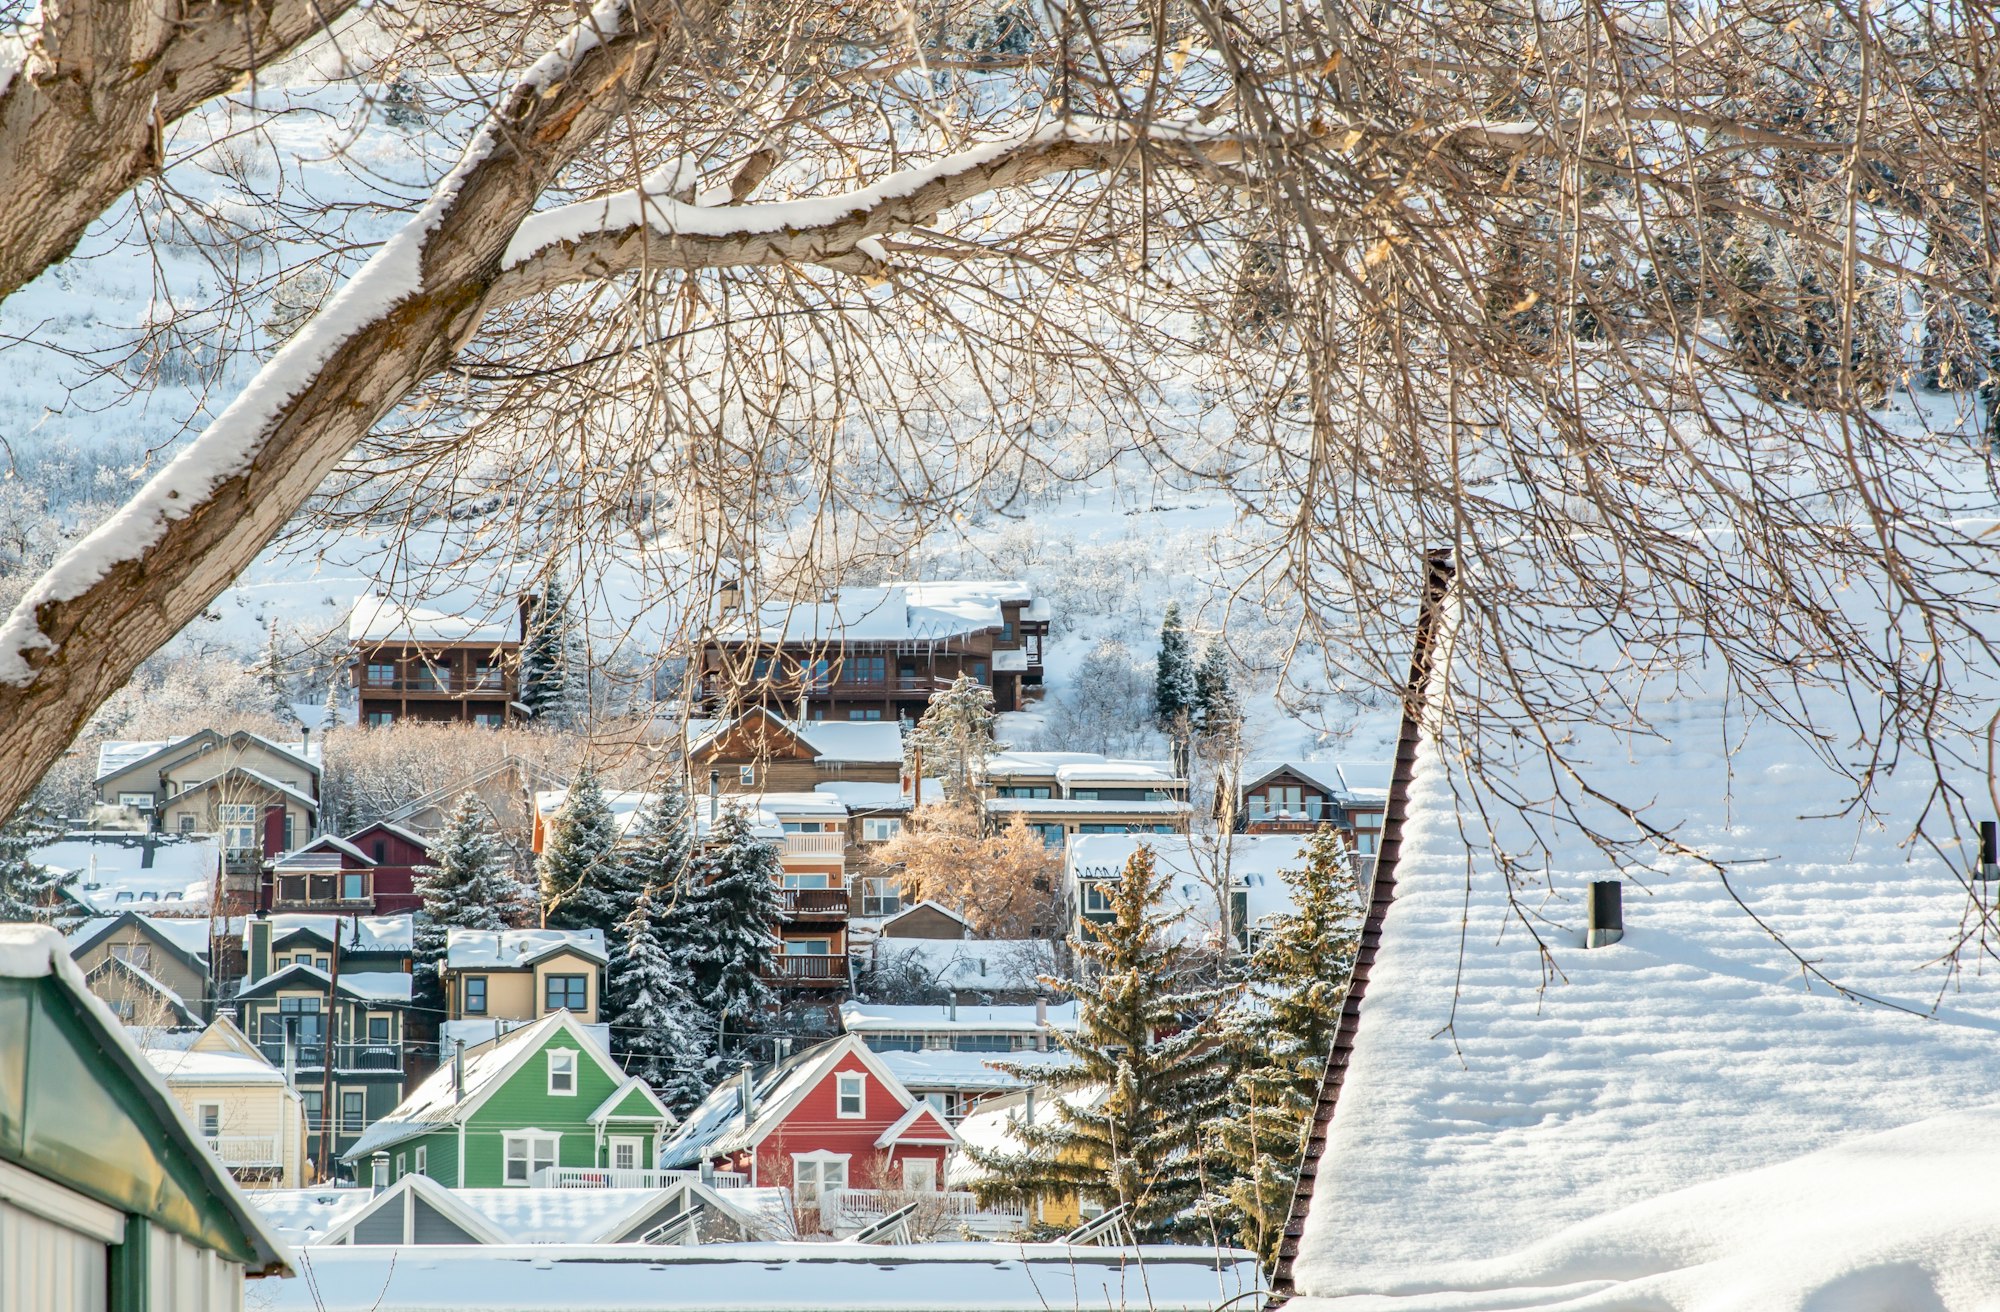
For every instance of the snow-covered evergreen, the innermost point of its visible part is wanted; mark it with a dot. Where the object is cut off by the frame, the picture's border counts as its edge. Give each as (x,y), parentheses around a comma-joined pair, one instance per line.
(554,686)
(1282,1031)
(28,891)
(1217,710)
(1149,1075)
(467,886)
(955,737)
(1174,694)
(733,916)
(584,880)
(658,1029)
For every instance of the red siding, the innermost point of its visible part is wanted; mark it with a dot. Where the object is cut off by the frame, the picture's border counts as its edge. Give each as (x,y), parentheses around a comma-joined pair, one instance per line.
(395,870)
(815,1126)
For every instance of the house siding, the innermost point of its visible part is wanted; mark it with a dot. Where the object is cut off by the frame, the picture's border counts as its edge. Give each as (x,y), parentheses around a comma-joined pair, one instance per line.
(816,1126)
(524,1102)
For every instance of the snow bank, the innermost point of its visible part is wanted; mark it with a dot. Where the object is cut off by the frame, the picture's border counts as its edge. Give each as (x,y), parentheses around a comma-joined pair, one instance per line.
(1899,1220)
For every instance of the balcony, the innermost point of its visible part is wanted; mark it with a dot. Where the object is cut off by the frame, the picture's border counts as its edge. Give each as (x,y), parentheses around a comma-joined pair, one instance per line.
(243,1151)
(834,845)
(491,683)
(844,1211)
(807,971)
(311,1055)
(814,903)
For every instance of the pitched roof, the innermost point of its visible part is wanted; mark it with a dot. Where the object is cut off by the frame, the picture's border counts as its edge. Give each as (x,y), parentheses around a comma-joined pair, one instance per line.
(438,1103)
(305,800)
(967,1072)
(187,940)
(1484,1107)
(117,869)
(118,757)
(377,619)
(899,612)
(631,1101)
(927,904)
(183,1014)
(715,1128)
(355,933)
(517,949)
(920,1124)
(365,986)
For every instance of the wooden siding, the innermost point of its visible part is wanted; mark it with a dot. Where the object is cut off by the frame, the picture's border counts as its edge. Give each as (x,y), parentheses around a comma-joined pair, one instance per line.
(816,1126)
(524,1102)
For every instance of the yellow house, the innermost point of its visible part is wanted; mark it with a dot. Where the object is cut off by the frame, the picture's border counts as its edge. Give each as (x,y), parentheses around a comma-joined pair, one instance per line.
(496,980)
(993,1128)
(239,1104)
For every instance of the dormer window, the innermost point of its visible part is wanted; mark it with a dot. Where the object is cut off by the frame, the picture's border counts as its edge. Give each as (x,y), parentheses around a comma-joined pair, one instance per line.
(562,1071)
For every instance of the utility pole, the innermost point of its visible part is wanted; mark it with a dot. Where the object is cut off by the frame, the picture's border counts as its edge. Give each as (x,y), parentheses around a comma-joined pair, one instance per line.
(330,1033)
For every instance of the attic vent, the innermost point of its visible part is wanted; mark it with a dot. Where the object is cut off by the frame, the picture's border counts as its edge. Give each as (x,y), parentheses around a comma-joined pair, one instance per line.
(1607,913)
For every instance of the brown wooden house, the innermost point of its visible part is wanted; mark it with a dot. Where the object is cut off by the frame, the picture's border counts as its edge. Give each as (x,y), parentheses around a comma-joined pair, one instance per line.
(1283,797)
(414,664)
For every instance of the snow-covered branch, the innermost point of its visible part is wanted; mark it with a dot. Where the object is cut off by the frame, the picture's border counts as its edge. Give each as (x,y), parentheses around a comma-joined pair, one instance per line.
(87,95)
(606,236)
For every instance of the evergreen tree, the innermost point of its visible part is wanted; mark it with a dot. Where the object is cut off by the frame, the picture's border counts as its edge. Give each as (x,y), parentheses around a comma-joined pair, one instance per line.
(271,674)
(1217,711)
(467,886)
(584,880)
(1148,1076)
(28,891)
(733,916)
(1174,695)
(955,737)
(659,1031)
(554,684)
(1283,1033)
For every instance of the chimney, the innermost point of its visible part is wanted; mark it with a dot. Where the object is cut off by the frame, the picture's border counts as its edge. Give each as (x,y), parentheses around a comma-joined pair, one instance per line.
(1607,913)
(378,1172)
(748,1084)
(458,1072)
(259,947)
(954,1006)
(1989,851)
(1029,1111)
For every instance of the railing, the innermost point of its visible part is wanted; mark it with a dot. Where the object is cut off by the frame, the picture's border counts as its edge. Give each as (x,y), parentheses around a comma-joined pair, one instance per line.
(801,968)
(815,844)
(813,901)
(346,1056)
(843,1211)
(245,1149)
(593,1177)
(444,681)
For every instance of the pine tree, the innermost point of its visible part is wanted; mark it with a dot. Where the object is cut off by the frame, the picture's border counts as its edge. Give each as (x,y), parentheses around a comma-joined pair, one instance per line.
(733,915)
(1282,1032)
(1150,1051)
(271,674)
(658,1030)
(1217,711)
(554,684)
(28,891)
(584,882)
(955,737)
(1174,694)
(467,886)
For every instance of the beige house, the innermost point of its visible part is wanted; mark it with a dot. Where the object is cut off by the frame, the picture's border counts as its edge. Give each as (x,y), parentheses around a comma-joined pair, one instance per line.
(239,1104)
(522,975)
(146,776)
(170,953)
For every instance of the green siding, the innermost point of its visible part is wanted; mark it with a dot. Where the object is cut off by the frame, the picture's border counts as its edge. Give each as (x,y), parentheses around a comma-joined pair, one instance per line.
(524,1102)
(635,1104)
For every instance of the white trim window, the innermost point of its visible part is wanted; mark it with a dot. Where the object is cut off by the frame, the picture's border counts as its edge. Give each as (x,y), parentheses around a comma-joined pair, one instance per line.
(423,1159)
(880,828)
(627,1152)
(525,1153)
(209,1116)
(562,1072)
(850,1095)
(814,1173)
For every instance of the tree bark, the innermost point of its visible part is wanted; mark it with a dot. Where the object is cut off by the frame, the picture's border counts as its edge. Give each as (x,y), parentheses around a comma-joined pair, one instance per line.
(99,81)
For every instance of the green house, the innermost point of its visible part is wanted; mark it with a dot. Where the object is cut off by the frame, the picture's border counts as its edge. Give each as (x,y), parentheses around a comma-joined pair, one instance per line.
(544,1096)
(108,1199)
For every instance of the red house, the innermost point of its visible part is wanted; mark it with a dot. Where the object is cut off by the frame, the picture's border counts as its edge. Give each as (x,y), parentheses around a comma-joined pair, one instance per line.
(832,1117)
(372,871)
(396,854)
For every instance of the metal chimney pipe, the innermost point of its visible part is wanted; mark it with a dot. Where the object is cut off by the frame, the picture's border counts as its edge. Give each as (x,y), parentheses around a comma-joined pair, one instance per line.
(1989,850)
(1607,913)
(1031,1105)
(1041,1024)
(749,1097)
(954,1006)
(378,1172)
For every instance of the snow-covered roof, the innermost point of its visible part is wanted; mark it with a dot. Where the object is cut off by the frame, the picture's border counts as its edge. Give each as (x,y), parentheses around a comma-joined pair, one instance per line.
(1071,806)
(878,742)
(324,852)
(305,800)
(480,1030)
(199,1066)
(1498,1098)
(361,985)
(189,935)
(969,1277)
(302,1216)
(898,612)
(516,949)
(1008,965)
(1325,775)
(377,619)
(716,1126)
(815,805)
(118,871)
(354,933)
(1189,863)
(937,1069)
(857,796)
(1008,765)
(995,1127)
(1116,772)
(117,756)
(881,1018)
(1010,661)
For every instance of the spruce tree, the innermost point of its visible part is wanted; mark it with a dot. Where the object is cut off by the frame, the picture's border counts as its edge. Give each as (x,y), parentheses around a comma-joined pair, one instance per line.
(1148,1076)
(955,737)
(554,687)
(1216,709)
(1174,678)
(583,878)
(1283,1032)
(658,1030)
(29,891)
(271,674)
(733,916)
(467,886)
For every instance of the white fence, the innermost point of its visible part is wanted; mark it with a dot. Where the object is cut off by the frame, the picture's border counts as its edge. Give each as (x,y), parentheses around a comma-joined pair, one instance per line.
(245,1149)
(943,1215)
(596,1177)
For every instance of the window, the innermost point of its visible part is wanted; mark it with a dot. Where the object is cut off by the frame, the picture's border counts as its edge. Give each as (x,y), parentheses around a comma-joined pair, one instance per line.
(380,718)
(880,828)
(803,827)
(381,850)
(982,1042)
(881,897)
(1031,791)
(805,880)
(382,674)
(423,1158)
(486,674)
(979,671)
(239,825)
(851,1096)
(526,1153)
(134,954)
(186,823)
(865,713)
(562,1071)
(868,669)
(1051,832)
(815,1173)
(320,962)
(378,1031)
(1096,897)
(746,776)
(137,801)
(806,947)
(628,1153)
(209,1116)
(1006,630)
(560,991)
(920,1175)
(475,995)
(353,1111)
(816,675)
(402,1165)
(314,1101)
(352,886)
(489,719)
